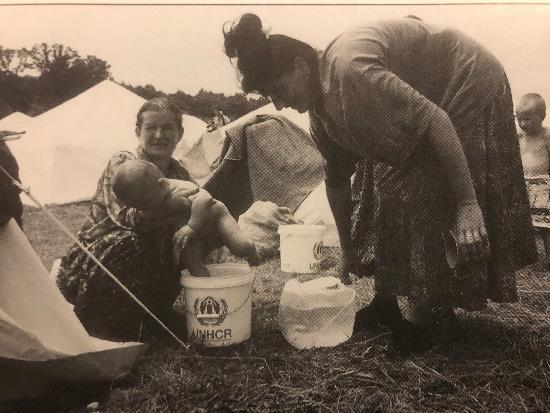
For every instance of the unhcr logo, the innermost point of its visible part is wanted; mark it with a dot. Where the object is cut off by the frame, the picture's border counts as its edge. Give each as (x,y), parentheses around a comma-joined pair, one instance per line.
(209,311)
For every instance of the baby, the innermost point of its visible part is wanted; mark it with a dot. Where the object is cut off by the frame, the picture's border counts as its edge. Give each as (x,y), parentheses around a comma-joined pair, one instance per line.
(534,143)
(204,223)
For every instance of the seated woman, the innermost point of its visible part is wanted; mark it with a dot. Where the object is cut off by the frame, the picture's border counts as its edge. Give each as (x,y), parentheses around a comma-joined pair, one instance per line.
(135,246)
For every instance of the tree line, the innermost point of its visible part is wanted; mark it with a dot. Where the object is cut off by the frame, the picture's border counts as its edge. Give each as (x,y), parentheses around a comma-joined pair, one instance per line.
(35,80)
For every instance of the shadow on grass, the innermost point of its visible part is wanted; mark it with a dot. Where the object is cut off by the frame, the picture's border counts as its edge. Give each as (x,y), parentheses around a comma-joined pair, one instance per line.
(61,399)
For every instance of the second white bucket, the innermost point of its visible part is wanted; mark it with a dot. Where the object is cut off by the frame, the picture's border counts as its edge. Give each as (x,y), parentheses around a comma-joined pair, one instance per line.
(301,247)
(219,307)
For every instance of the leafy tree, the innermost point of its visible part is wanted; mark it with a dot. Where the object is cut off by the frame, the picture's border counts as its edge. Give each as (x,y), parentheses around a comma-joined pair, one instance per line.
(6,59)
(13,61)
(17,92)
(63,73)
(203,103)
(37,79)
(47,58)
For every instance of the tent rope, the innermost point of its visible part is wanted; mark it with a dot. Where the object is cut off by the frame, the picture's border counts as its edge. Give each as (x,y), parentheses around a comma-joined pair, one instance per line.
(67,232)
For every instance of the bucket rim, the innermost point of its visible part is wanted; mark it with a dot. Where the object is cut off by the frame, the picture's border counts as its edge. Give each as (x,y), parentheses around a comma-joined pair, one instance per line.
(300,229)
(217,281)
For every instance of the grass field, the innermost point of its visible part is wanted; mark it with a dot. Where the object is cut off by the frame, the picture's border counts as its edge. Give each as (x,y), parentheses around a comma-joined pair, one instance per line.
(495,361)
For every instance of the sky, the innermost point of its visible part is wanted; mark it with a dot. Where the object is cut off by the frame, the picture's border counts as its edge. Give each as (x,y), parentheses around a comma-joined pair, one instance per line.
(180,47)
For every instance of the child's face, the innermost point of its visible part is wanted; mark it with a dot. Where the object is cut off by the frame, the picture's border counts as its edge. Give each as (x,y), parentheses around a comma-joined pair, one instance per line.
(529,122)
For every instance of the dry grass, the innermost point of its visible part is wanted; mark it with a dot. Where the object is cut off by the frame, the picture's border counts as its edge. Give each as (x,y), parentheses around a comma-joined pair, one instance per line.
(496,361)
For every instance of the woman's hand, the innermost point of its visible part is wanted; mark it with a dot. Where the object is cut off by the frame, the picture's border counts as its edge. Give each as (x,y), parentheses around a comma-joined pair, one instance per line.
(345,277)
(180,188)
(180,192)
(284,216)
(470,233)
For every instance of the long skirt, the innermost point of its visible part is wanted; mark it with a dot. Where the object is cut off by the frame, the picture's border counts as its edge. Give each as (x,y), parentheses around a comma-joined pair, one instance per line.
(141,263)
(401,213)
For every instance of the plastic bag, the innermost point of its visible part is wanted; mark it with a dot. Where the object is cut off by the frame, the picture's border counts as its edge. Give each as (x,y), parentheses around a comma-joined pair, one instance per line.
(261,222)
(317,313)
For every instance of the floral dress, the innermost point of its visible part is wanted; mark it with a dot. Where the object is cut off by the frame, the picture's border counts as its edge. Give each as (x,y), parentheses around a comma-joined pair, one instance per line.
(140,259)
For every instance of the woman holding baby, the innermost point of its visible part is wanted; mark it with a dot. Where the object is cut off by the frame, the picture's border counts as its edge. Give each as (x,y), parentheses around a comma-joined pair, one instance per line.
(423,117)
(134,245)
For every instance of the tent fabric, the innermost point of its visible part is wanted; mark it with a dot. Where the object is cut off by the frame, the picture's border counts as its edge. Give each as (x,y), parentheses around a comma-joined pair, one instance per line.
(16,122)
(230,181)
(41,339)
(299,119)
(283,164)
(202,158)
(65,149)
(95,124)
(193,129)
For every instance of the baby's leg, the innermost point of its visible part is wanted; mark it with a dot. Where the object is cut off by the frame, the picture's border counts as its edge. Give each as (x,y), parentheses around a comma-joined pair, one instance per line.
(192,257)
(232,235)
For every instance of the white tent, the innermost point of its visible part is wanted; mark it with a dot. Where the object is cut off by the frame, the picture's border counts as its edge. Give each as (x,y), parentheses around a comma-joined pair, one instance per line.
(199,155)
(193,129)
(65,149)
(17,122)
(42,342)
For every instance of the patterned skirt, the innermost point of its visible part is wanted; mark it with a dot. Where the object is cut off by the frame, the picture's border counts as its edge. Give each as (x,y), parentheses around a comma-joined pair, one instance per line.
(401,213)
(140,263)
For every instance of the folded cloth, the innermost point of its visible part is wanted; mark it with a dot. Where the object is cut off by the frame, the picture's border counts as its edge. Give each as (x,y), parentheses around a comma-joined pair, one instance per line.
(261,222)
(283,163)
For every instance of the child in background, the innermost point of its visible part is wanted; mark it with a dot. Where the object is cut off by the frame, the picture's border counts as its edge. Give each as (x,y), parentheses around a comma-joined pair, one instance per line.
(204,223)
(534,143)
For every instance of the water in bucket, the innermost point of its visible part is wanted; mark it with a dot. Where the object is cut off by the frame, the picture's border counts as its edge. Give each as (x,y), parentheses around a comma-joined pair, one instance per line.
(301,247)
(219,308)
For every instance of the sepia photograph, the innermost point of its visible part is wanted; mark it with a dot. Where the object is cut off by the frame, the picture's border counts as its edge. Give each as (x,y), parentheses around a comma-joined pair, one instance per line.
(274,207)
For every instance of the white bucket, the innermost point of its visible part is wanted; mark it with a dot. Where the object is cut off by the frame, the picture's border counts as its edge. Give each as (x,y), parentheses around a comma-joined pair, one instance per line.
(317,313)
(219,307)
(301,247)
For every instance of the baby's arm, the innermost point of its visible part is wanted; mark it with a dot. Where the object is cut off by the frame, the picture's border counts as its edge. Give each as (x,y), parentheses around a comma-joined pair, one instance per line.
(201,213)
(181,192)
(201,210)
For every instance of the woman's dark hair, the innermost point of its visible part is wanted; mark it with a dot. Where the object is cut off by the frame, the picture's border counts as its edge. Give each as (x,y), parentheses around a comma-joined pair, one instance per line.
(262,58)
(159,105)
